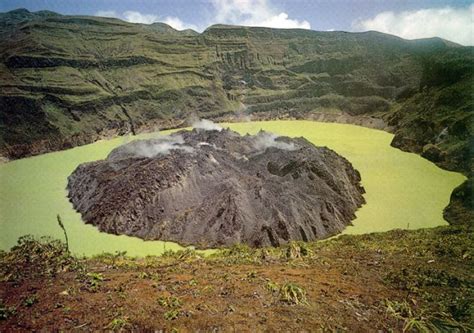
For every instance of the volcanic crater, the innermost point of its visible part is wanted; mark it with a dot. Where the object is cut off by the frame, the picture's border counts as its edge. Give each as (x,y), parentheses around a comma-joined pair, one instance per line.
(213,188)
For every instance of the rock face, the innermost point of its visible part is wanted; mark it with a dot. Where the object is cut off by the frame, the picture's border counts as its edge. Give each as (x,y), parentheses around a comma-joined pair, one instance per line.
(212,188)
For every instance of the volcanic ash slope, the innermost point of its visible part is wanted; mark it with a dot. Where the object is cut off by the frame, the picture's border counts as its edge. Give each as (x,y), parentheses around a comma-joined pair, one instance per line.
(212,188)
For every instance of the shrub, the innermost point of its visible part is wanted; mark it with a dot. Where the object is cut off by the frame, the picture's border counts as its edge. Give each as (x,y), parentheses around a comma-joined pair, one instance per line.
(32,258)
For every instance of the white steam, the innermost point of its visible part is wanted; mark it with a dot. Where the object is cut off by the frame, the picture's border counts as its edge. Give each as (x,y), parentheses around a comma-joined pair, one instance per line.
(264,140)
(206,125)
(160,146)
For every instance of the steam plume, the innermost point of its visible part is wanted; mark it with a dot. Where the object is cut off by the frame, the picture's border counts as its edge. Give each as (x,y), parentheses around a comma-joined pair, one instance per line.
(264,140)
(150,148)
(162,146)
(206,125)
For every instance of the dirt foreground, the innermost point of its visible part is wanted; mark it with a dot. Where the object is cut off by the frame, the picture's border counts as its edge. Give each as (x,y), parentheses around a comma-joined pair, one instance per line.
(394,281)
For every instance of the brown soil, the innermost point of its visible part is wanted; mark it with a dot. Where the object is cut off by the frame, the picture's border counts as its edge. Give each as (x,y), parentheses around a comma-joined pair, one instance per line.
(348,282)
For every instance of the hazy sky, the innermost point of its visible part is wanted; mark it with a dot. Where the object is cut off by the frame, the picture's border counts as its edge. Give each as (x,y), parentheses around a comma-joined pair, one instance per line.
(450,19)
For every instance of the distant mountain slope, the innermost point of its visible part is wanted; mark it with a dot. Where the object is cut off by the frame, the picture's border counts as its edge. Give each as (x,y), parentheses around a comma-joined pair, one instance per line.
(68,80)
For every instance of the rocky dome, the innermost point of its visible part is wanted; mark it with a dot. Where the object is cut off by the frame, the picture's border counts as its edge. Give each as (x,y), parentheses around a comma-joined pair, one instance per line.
(212,188)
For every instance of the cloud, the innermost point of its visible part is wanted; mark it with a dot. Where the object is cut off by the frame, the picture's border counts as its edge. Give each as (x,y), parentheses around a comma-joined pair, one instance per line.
(260,13)
(129,16)
(454,24)
(137,17)
(106,13)
(177,24)
(254,13)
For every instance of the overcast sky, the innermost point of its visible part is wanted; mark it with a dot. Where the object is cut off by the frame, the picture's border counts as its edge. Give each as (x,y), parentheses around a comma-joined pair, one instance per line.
(449,19)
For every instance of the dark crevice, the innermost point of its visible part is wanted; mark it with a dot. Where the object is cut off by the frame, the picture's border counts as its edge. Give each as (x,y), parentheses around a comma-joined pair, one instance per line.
(130,120)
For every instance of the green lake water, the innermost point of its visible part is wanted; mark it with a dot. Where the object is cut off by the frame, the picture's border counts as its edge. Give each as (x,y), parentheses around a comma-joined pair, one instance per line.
(403,189)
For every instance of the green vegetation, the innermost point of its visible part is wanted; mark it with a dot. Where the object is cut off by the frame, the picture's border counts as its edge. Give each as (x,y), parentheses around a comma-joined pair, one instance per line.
(30,300)
(173,304)
(422,321)
(411,280)
(171,314)
(297,250)
(32,258)
(6,312)
(119,323)
(92,281)
(293,294)
(290,293)
(170,302)
(272,287)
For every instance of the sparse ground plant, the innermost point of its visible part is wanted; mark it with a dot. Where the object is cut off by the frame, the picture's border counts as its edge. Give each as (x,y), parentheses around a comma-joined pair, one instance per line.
(297,250)
(226,277)
(170,302)
(30,300)
(149,276)
(6,311)
(455,301)
(173,304)
(91,280)
(422,320)
(120,290)
(293,294)
(460,308)
(272,287)
(116,260)
(208,288)
(238,254)
(415,279)
(119,323)
(171,314)
(183,255)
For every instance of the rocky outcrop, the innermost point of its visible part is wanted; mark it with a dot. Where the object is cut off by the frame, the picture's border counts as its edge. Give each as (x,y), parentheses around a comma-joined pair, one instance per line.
(217,188)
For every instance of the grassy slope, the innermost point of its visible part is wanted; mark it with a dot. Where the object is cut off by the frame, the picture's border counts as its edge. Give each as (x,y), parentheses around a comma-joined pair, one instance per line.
(75,71)
(415,280)
(75,77)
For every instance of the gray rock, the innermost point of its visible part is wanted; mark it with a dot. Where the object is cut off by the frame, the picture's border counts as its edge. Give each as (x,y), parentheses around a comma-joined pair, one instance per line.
(218,188)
